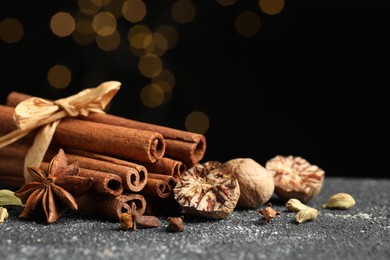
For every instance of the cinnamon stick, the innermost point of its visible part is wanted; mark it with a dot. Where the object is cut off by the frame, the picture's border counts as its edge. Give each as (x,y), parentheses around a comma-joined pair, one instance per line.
(159,185)
(11,174)
(181,145)
(132,178)
(123,142)
(167,166)
(169,180)
(112,206)
(134,181)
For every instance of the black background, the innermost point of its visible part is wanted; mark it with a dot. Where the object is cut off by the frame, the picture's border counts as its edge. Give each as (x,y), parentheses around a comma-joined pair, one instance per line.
(311,83)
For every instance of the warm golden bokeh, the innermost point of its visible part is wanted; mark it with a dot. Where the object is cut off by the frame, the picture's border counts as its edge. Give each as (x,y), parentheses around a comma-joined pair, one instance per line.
(247,23)
(134,10)
(62,24)
(166,79)
(157,45)
(150,65)
(11,30)
(197,122)
(104,23)
(170,33)
(152,95)
(271,7)
(183,11)
(110,42)
(90,7)
(59,76)
(115,7)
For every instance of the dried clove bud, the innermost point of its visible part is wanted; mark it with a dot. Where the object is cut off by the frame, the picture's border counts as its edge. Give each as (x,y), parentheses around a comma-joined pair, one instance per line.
(126,221)
(268,213)
(175,224)
(340,201)
(146,221)
(295,205)
(305,215)
(3,214)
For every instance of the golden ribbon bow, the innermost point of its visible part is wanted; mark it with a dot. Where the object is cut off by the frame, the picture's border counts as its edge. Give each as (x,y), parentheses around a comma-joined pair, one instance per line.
(35,112)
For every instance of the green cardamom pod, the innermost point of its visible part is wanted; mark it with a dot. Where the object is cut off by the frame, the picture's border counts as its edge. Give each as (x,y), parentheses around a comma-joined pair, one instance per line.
(306,214)
(340,201)
(8,198)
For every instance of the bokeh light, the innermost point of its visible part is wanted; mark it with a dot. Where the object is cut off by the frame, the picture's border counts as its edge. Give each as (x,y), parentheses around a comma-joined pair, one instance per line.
(104,23)
(157,45)
(11,30)
(152,95)
(271,7)
(134,10)
(247,23)
(197,122)
(62,24)
(183,11)
(170,33)
(150,65)
(166,79)
(59,76)
(90,7)
(110,42)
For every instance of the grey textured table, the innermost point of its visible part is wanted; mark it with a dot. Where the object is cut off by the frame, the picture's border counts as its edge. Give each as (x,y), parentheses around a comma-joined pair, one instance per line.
(362,232)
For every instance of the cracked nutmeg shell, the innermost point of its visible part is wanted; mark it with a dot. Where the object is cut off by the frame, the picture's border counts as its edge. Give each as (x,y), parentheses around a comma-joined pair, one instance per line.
(255,181)
(207,190)
(295,177)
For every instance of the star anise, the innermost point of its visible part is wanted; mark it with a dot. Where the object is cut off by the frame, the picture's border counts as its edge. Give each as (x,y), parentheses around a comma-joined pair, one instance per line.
(53,190)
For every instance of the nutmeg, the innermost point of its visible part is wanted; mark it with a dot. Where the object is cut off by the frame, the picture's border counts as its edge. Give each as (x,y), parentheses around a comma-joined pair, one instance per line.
(255,181)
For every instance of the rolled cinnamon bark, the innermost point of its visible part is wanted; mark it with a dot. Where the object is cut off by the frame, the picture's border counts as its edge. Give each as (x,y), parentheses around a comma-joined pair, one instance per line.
(167,166)
(169,180)
(181,145)
(159,185)
(11,169)
(123,142)
(132,178)
(136,178)
(102,182)
(112,206)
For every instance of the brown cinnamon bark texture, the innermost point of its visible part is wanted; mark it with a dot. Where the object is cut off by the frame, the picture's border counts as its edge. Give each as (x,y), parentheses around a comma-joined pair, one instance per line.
(131,179)
(102,182)
(123,142)
(112,206)
(167,166)
(135,176)
(11,174)
(158,187)
(181,145)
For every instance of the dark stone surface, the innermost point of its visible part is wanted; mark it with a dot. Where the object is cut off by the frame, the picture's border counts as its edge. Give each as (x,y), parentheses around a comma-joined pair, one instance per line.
(362,232)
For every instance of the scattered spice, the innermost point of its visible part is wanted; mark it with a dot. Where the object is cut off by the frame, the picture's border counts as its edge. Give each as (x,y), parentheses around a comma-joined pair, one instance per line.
(3,214)
(269,213)
(175,224)
(295,205)
(146,221)
(305,215)
(53,190)
(340,201)
(126,221)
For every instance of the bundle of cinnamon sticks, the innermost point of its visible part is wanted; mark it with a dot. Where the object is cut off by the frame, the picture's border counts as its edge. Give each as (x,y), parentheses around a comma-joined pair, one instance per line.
(133,165)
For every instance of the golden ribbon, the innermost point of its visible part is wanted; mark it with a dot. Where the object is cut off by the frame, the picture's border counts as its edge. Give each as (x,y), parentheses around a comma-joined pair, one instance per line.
(35,112)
